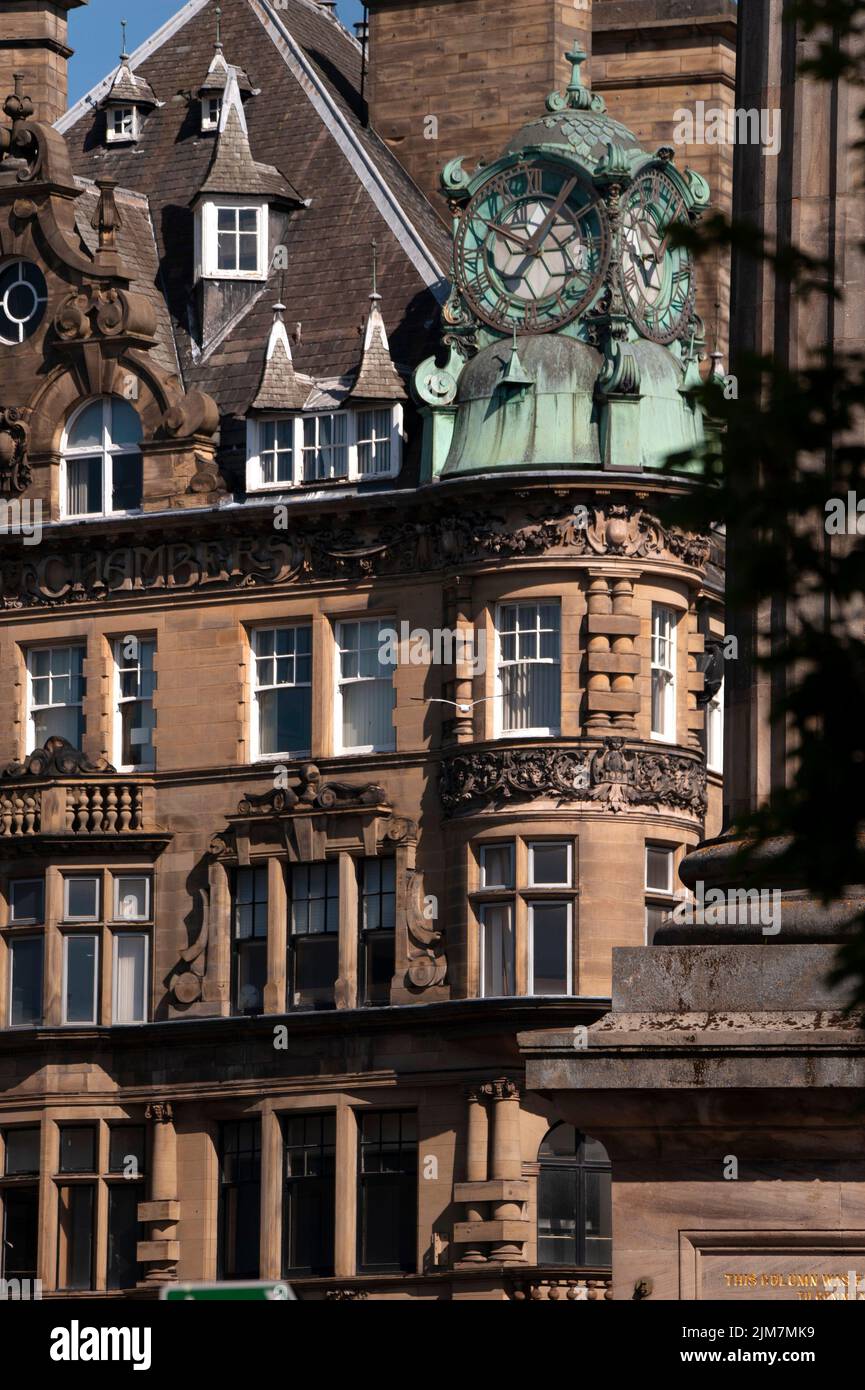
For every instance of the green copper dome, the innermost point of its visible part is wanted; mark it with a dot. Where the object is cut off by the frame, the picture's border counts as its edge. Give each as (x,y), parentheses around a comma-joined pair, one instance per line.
(578,122)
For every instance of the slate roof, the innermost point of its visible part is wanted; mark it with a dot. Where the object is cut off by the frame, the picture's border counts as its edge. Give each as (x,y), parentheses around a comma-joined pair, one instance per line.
(280,388)
(377,379)
(232,167)
(130,88)
(307,121)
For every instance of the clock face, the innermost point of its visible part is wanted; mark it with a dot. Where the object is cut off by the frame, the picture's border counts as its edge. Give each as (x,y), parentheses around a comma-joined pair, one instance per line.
(532,247)
(656,277)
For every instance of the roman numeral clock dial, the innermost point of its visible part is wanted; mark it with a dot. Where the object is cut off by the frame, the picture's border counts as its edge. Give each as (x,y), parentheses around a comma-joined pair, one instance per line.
(657,278)
(532,247)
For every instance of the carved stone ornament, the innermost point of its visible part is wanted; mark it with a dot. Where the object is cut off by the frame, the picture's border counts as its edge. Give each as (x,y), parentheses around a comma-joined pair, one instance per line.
(160,1111)
(15,473)
(187,978)
(427,962)
(612,777)
(57,759)
(312,794)
(367,548)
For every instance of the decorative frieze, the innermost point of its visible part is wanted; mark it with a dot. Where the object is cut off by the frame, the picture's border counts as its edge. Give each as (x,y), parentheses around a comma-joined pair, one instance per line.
(329,550)
(614,777)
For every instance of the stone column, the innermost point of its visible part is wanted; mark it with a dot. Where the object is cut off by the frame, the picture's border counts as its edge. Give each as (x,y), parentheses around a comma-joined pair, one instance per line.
(162,1251)
(506,1159)
(477,1142)
(625,664)
(458,616)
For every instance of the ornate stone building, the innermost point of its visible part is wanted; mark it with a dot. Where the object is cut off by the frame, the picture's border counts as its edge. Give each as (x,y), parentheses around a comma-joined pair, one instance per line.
(353,686)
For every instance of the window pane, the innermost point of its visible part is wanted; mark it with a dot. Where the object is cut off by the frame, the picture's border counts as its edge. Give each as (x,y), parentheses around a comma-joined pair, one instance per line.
(87,429)
(77,1149)
(251,976)
(557,1216)
(130,1002)
(126,1150)
(285,720)
(125,422)
(75,1264)
(226,258)
(497,946)
(19,1237)
(549,864)
(367,714)
(316,966)
(25,995)
(80,1001)
(240,1200)
(531,696)
(131,898)
(127,482)
(22,1151)
(26,900)
(659,869)
(497,866)
(599,1220)
(82,897)
(84,486)
(656,916)
(124,1233)
(549,926)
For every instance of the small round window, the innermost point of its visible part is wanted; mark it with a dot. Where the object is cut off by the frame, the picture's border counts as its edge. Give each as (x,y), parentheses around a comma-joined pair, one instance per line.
(23,297)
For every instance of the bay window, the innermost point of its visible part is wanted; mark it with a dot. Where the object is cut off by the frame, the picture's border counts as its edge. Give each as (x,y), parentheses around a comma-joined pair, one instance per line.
(286,451)
(663,673)
(365,692)
(118,909)
(524,905)
(660,887)
(282,679)
(529,668)
(56,686)
(25,981)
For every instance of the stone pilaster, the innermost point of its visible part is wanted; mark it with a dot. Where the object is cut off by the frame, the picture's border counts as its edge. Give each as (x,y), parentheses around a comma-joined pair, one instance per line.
(162,1212)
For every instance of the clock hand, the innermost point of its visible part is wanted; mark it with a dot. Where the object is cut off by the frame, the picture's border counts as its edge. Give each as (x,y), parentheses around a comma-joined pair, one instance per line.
(506,232)
(550,218)
(670,225)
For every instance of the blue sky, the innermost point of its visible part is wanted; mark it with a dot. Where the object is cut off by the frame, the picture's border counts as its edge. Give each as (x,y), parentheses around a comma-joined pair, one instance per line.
(95,34)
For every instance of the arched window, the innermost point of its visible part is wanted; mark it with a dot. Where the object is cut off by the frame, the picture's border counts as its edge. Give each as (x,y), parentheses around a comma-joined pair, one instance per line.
(102,459)
(574,1200)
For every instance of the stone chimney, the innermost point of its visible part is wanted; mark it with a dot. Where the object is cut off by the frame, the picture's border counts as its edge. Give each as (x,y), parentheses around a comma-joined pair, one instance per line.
(33,41)
(460,76)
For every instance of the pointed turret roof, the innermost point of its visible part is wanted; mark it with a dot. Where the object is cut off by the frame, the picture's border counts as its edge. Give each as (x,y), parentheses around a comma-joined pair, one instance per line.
(377,378)
(216,78)
(281,387)
(126,86)
(232,168)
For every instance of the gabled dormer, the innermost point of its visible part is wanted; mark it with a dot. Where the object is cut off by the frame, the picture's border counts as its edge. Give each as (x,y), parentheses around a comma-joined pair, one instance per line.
(232,240)
(211,93)
(127,103)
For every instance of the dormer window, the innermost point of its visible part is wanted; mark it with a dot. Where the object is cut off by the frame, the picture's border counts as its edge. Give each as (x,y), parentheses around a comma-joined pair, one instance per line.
(234,240)
(337,446)
(122,124)
(211,109)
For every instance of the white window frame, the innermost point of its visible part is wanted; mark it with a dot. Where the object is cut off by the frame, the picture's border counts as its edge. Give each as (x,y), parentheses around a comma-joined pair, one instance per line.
(256,755)
(32,707)
(715,731)
(339,747)
(23,936)
(26,921)
(498,887)
(499,730)
(94,1020)
(550,844)
(254,436)
(552,901)
(509,904)
(663,656)
(93,878)
(130,1022)
(108,451)
(209,122)
(116,876)
(207,244)
(121,137)
(665,898)
(122,663)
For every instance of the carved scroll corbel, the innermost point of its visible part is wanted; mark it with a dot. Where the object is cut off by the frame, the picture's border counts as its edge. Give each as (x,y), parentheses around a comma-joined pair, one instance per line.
(427,963)
(187,985)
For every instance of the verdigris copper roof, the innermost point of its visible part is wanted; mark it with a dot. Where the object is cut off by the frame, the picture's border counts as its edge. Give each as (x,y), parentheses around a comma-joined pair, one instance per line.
(578,122)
